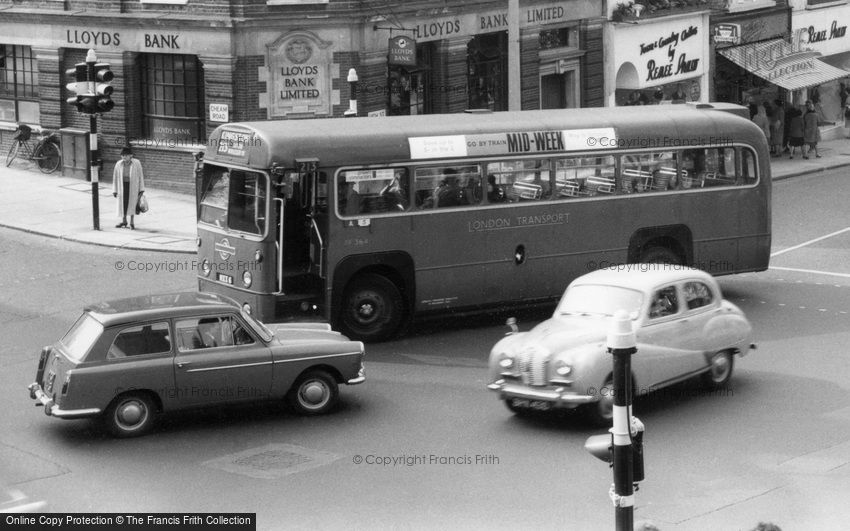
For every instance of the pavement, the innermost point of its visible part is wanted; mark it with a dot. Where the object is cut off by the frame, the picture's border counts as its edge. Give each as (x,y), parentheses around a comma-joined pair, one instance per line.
(61,207)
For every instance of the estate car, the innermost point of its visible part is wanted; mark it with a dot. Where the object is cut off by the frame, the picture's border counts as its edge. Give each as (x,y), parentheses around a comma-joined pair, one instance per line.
(129,360)
(683,328)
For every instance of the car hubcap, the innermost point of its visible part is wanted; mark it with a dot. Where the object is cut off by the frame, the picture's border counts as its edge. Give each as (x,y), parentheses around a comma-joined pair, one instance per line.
(131,414)
(314,394)
(719,367)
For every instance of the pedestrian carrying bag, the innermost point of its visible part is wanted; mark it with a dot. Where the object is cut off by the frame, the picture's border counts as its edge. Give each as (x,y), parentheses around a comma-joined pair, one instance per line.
(142,205)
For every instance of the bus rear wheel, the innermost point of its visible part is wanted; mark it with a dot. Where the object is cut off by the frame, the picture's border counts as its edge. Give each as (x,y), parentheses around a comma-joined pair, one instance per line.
(372,308)
(659,255)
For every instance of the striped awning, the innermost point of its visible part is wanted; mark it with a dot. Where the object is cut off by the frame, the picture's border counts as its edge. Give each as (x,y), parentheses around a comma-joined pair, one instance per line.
(777,62)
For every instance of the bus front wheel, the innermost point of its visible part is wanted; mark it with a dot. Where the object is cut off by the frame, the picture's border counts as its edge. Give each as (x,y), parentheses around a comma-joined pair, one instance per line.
(372,308)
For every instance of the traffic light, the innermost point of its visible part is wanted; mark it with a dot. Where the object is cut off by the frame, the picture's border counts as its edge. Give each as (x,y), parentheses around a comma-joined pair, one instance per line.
(80,87)
(103,90)
(93,93)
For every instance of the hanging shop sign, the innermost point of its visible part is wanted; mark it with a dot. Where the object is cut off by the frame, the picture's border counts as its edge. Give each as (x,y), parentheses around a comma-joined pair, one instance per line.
(401,51)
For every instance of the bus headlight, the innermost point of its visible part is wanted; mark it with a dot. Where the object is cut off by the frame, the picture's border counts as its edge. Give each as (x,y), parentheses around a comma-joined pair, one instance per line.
(205,267)
(246,279)
(258,256)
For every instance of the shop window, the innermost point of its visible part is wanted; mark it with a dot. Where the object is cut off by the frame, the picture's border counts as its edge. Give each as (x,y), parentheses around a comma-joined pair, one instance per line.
(487,61)
(409,88)
(18,85)
(173,98)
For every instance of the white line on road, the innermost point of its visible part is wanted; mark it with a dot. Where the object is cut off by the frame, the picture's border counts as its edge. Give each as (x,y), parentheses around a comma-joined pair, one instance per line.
(830,235)
(845,275)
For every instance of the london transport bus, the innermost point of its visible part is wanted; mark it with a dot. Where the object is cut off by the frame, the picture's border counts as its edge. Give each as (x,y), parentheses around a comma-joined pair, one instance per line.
(372,222)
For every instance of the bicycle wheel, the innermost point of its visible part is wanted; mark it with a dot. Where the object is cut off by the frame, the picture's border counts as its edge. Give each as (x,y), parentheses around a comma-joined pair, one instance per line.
(13,152)
(47,157)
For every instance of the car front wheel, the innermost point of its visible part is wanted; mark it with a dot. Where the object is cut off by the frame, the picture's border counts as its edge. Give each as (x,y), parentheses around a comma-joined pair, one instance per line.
(720,370)
(601,413)
(316,392)
(130,415)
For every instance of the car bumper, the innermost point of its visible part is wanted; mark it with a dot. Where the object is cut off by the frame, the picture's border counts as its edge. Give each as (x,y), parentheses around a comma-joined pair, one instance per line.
(52,410)
(556,395)
(361,377)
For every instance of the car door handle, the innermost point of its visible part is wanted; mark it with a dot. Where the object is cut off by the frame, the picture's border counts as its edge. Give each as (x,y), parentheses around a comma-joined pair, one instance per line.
(180,364)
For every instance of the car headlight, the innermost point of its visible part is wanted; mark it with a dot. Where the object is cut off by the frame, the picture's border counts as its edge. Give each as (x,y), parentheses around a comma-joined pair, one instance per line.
(247,278)
(506,361)
(562,368)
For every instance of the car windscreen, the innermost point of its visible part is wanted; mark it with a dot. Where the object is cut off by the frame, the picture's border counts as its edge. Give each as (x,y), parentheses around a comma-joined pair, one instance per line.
(81,337)
(600,300)
(258,327)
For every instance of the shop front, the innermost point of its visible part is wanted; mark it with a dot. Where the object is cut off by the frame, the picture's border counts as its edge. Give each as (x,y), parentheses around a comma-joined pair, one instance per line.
(444,61)
(824,30)
(657,61)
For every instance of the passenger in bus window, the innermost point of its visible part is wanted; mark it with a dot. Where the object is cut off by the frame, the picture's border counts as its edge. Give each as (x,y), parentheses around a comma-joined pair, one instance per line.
(495,193)
(472,191)
(449,193)
(353,200)
(395,195)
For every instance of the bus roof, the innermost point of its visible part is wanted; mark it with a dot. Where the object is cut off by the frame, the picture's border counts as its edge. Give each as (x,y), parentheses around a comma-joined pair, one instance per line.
(386,139)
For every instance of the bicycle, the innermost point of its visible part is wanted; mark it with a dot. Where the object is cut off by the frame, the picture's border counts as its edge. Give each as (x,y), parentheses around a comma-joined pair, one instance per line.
(45,153)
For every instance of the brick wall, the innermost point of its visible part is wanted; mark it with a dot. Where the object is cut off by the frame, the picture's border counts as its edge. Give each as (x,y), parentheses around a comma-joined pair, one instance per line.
(164,169)
(248,87)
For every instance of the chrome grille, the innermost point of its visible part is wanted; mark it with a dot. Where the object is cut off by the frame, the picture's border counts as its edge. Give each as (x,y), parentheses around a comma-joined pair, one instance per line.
(532,366)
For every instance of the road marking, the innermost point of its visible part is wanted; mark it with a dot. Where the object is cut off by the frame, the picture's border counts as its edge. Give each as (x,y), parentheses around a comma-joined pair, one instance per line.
(795,247)
(843,275)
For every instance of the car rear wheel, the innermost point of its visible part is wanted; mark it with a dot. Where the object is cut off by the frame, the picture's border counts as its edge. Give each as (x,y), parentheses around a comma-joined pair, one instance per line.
(315,393)
(720,370)
(130,415)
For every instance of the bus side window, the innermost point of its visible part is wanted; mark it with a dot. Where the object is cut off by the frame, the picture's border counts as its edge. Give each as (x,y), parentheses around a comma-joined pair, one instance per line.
(748,167)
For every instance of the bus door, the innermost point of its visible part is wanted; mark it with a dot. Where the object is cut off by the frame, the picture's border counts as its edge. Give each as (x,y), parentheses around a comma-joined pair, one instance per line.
(302,211)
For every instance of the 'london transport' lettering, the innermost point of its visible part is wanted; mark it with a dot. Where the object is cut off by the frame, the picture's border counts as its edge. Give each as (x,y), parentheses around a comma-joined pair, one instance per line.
(515,222)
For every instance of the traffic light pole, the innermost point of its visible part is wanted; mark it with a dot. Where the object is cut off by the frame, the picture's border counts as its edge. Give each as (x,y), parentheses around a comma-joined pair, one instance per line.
(94,167)
(621,344)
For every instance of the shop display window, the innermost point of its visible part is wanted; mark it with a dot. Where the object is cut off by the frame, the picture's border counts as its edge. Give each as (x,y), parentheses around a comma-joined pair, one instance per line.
(18,85)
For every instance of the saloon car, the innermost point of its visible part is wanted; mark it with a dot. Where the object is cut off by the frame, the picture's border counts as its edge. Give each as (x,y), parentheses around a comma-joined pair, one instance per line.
(126,361)
(683,329)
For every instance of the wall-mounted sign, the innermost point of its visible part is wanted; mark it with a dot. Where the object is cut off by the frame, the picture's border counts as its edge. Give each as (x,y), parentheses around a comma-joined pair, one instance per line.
(663,52)
(401,51)
(727,34)
(823,30)
(300,66)
(219,112)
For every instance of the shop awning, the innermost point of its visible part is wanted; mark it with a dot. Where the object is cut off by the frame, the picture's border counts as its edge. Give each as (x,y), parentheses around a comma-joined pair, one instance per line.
(777,62)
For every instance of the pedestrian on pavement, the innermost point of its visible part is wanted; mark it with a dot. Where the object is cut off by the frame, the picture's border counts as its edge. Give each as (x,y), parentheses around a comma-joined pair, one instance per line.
(811,132)
(795,130)
(777,128)
(761,120)
(128,185)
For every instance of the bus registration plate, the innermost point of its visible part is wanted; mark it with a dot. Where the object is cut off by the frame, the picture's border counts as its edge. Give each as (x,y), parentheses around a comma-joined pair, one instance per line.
(227,279)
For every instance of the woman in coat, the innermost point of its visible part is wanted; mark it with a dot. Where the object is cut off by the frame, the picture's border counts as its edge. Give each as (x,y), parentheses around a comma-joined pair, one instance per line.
(795,130)
(128,185)
(761,120)
(811,133)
